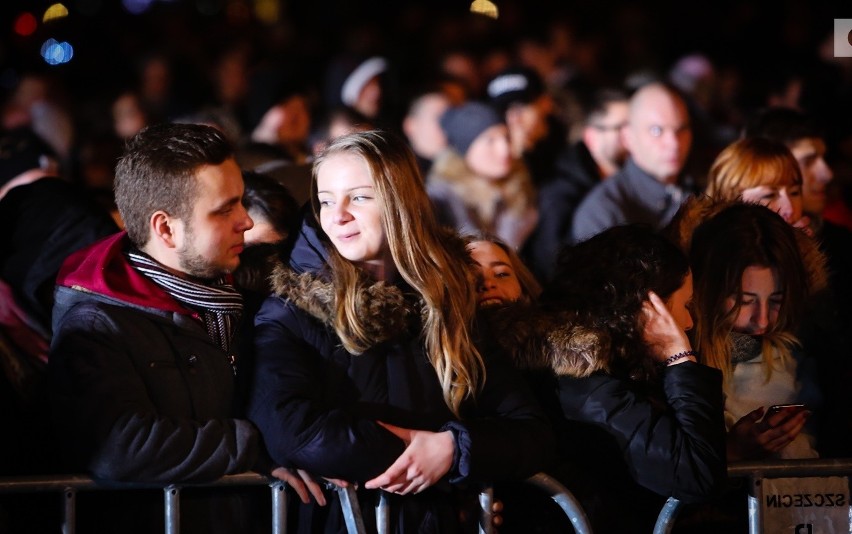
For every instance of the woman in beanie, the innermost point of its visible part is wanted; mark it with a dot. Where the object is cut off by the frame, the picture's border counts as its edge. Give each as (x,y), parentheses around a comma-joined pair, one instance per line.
(476,185)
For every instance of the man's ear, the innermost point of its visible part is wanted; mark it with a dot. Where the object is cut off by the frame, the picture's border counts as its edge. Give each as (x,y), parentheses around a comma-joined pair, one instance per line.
(163,228)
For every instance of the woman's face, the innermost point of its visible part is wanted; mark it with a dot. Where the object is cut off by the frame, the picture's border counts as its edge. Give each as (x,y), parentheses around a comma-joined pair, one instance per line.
(762,299)
(679,303)
(785,199)
(349,213)
(489,155)
(497,284)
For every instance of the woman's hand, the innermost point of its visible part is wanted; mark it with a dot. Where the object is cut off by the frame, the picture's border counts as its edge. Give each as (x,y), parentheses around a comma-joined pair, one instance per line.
(750,438)
(427,457)
(660,331)
(302,482)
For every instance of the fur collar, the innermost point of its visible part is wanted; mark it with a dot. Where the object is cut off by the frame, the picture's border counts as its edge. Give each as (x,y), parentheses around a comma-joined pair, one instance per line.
(388,312)
(537,339)
(514,194)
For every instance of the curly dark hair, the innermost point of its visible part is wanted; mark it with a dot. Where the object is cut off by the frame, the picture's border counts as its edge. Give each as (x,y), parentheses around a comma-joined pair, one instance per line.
(604,281)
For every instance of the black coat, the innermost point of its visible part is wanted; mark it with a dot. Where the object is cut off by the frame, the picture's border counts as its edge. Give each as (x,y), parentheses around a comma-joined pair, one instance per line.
(632,446)
(140,391)
(318,406)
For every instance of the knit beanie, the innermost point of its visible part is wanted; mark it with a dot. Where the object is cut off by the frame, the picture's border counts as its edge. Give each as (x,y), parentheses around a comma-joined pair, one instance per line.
(463,124)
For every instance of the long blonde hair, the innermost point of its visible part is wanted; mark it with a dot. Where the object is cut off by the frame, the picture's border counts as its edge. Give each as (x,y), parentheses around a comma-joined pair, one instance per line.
(445,282)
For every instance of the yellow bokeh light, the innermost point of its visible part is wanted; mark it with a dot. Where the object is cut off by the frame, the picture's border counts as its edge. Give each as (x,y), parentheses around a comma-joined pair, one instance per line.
(267,11)
(55,12)
(484,7)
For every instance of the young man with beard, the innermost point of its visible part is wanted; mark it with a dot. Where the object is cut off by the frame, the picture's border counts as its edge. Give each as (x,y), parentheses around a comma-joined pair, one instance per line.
(144,358)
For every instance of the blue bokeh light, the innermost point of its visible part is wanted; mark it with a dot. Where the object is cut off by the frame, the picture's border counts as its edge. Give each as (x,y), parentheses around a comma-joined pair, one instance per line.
(137,7)
(56,53)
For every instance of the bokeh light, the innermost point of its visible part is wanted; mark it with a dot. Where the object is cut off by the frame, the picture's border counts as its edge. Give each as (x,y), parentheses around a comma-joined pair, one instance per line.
(25,24)
(56,53)
(267,11)
(55,12)
(137,7)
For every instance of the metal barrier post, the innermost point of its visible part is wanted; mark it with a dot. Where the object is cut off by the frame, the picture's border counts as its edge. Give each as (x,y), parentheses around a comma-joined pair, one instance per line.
(279,507)
(565,499)
(171,495)
(351,510)
(486,505)
(69,511)
(383,514)
(668,516)
(755,500)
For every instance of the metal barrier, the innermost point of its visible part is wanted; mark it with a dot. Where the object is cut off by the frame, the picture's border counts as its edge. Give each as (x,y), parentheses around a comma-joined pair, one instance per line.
(756,471)
(70,485)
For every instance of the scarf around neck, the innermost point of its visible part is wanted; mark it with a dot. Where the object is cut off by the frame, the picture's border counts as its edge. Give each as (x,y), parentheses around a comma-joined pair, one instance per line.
(219,303)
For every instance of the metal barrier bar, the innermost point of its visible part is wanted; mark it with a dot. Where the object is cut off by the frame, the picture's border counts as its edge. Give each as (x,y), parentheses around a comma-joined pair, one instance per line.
(486,507)
(565,499)
(351,510)
(668,516)
(383,513)
(279,507)
(69,511)
(171,507)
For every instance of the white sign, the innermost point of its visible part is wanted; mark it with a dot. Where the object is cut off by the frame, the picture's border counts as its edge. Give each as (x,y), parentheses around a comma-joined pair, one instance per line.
(816,505)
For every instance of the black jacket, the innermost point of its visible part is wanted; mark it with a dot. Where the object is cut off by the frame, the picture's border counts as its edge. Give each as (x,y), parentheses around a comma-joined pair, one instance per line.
(140,391)
(318,405)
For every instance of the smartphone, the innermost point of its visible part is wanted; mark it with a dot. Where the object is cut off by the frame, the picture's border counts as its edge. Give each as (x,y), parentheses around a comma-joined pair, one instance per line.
(789,408)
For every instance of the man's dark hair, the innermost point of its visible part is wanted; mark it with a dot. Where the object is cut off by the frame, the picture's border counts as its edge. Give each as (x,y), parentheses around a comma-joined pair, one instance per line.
(595,104)
(157,172)
(784,125)
(264,194)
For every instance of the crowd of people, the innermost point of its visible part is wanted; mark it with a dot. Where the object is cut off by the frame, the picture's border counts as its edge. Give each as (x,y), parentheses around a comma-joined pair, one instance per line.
(515,272)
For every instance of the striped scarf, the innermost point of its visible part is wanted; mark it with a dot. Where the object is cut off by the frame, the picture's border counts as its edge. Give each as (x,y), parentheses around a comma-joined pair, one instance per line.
(219,303)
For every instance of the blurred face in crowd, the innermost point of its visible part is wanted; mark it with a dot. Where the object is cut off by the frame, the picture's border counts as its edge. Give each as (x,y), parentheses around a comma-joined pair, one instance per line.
(490,154)
(680,302)
(350,214)
(209,243)
(761,301)
(295,121)
(528,123)
(422,127)
(127,116)
(658,135)
(816,174)
(784,198)
(497,284)
(603,136)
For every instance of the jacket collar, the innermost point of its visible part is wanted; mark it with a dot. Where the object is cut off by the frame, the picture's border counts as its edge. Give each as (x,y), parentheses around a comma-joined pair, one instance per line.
(103,269)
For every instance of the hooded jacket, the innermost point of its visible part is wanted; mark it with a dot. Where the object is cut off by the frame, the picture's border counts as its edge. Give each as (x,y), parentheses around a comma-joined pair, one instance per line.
(318,406)
(625,445)
(141,392)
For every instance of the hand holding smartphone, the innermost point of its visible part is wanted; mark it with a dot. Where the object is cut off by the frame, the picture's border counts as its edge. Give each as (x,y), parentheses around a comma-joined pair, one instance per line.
(771,418)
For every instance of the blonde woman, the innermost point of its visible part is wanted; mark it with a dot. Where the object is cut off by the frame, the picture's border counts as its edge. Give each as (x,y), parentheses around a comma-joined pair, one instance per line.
(368,370)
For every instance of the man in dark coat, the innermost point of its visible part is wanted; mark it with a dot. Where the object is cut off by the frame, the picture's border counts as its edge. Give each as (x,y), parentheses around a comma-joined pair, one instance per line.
(649,189)
(144,355)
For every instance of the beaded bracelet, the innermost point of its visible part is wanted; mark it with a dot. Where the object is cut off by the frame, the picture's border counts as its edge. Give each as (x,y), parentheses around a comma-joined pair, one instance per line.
(675,357)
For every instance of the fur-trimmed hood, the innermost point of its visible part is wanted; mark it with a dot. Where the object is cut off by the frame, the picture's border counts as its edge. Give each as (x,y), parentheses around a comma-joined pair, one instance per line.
(388,312)
(699,209)
(514,194)
(537,339)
